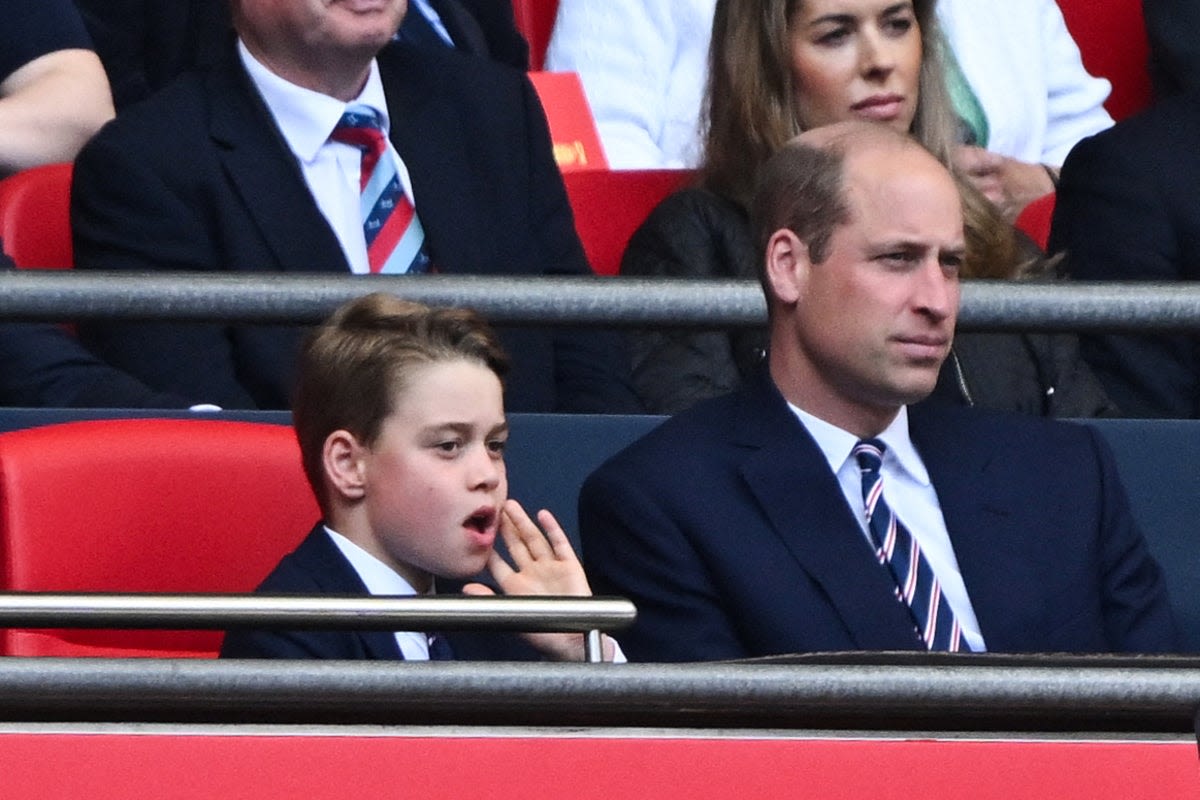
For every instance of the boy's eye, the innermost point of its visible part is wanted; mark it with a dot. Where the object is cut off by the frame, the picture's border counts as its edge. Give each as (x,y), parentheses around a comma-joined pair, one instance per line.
(497,445)
(448,446)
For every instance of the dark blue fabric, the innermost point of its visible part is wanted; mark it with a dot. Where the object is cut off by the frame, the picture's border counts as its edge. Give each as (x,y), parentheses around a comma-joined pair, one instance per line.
(728,530)
(33,28)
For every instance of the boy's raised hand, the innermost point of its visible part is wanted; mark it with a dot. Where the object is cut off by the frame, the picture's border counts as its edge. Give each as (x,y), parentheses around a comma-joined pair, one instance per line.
(545,564)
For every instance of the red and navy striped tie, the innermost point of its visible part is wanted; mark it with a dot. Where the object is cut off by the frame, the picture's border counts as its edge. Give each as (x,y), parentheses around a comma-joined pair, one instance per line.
(916,585)
(395,239)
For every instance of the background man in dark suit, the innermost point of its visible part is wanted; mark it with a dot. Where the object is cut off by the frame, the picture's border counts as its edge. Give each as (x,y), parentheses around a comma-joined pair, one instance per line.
(1173,28)
(145,44)
(1127,209)
(752,524)
(235,169)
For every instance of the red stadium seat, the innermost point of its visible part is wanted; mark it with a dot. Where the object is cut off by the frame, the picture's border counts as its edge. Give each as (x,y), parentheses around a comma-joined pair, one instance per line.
(535,20)
(1034,219)
(35,217)
(1111,35)
(145,505)
(609,207)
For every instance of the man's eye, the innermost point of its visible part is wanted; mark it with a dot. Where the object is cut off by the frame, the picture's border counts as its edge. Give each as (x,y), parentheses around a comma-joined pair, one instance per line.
(899,258)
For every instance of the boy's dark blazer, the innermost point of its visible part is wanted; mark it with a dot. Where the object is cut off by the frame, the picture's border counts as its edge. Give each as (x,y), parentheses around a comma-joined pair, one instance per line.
(727,529)
(317,567)
(199,178)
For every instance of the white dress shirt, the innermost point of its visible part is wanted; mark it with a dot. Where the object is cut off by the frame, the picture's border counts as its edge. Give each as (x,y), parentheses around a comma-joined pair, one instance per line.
(331,169)
(911,497)
(380,579)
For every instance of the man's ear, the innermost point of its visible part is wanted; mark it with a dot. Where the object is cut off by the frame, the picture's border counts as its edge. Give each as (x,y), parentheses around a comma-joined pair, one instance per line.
(344,460)
(787,265)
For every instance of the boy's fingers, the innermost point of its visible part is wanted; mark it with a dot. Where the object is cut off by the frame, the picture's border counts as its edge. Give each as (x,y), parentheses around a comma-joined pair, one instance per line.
(499,569)
(530,535)
(559,542)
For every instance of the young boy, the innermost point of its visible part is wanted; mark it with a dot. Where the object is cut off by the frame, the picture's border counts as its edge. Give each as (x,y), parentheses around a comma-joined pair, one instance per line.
(400,418)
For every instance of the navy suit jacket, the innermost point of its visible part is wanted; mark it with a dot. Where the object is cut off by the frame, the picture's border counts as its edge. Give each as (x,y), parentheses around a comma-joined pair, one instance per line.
(727,529)
(198,177)
(317,567)
(1127,209)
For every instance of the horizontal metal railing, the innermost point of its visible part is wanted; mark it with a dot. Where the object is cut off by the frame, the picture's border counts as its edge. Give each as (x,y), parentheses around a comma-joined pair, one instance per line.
(306,298)
(226,612)
(957,693)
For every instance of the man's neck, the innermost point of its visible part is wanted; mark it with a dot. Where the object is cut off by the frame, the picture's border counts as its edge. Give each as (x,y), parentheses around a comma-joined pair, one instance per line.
(339,76)
(808,393)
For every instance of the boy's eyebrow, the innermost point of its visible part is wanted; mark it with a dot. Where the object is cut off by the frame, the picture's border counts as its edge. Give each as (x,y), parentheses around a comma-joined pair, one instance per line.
(465,428)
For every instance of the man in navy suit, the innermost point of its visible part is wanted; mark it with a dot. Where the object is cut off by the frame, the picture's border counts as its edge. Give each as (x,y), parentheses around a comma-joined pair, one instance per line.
(236,169)
(741,527)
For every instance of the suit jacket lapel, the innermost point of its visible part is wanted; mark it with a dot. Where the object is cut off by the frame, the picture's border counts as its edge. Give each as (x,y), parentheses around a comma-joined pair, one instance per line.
(329,568)
(428,133)
(803,501)
(462,27)
(977,509)
(264,173)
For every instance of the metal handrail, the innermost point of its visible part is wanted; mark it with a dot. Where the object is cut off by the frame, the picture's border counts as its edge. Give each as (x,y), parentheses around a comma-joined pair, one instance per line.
(966,693)
(627,302)
(229,611)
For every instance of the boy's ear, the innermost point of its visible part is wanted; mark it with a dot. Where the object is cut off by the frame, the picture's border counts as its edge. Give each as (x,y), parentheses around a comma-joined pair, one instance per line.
(787,265)
(343,458)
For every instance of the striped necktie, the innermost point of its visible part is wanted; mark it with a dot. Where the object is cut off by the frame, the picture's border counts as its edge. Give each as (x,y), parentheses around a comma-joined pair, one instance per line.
(916,585)
(395,239)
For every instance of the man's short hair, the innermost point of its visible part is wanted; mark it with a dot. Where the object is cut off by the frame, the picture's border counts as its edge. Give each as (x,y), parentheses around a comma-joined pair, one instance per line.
(354,365)
(800,188)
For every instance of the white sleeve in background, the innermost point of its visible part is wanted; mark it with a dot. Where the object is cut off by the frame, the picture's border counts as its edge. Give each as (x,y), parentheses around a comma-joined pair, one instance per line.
(1026,71)
(643,65)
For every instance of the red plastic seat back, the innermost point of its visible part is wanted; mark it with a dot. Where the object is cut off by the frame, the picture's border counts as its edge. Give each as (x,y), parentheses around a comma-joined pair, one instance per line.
(1111,35)
(35,217)
(610,205)
(535,20)
(1034,220)
(146,505)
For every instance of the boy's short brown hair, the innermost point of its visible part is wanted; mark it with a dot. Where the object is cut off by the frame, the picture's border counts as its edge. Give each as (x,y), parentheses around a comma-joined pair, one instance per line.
(353,366)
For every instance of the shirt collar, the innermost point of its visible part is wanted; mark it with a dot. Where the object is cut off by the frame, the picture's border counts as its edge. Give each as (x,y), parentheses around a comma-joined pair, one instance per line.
(306,118)
(379,578)
(837,444)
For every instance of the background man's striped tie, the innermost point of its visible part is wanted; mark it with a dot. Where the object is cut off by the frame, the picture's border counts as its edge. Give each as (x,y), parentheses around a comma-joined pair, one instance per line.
(395,239)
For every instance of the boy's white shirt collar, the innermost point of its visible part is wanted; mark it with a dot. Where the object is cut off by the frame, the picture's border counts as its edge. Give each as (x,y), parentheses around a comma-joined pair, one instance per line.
(378,577)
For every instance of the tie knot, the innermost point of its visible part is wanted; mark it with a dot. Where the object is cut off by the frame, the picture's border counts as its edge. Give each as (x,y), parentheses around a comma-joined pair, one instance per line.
(360,127)
(869,454)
